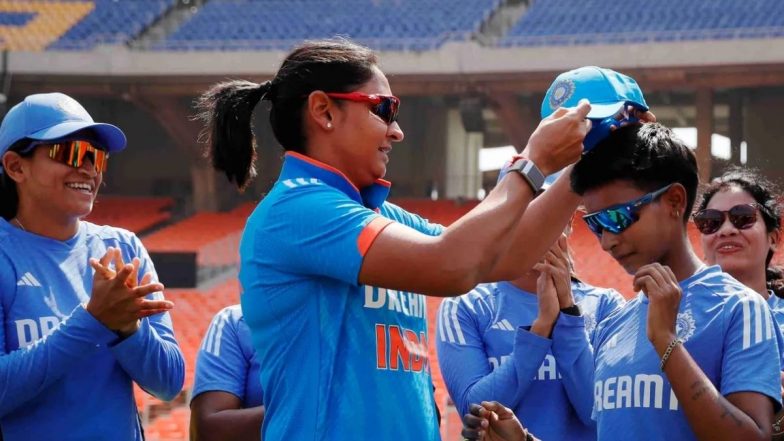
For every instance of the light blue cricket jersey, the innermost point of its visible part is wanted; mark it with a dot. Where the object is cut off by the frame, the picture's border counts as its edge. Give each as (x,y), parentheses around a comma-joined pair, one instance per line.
(339,360)
(62,372)
(727,329)
(485,354)
(226,360)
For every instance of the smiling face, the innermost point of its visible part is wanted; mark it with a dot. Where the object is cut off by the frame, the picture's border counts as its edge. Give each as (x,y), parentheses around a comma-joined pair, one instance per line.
(647,240)
(365,140)
(737,251)
(55,189)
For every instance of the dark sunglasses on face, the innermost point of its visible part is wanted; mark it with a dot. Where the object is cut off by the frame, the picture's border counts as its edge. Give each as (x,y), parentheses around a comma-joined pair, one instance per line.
(73,153)
(384,106)
(618,218)
(709,220)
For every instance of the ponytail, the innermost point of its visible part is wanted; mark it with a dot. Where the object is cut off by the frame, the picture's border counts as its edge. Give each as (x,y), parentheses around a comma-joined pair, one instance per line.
(226,110)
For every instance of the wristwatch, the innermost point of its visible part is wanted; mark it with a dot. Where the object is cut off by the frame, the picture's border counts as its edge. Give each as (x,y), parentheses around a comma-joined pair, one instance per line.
(530,172)
(572,310)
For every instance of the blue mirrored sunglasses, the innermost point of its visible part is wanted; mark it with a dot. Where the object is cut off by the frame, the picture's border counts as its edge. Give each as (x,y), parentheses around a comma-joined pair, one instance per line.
(617,218)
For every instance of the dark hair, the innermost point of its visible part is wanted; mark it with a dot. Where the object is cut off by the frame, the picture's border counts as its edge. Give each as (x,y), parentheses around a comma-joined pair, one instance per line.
(9,197)
(649,156)
(765,194)
(336,65)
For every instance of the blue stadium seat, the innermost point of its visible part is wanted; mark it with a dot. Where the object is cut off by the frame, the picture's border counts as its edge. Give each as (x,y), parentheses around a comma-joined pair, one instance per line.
(565,22)
(112,22)
(279,24)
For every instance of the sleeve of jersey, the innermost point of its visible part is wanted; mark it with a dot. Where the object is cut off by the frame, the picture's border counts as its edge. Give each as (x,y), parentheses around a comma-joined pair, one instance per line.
(317,230)
(574,356)
(751,352)
(467,373)
(25,373)
(220,363)
(414,220)
(151,356)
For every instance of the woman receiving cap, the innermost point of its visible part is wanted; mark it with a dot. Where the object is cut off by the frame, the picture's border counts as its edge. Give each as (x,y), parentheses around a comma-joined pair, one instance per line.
(76,332)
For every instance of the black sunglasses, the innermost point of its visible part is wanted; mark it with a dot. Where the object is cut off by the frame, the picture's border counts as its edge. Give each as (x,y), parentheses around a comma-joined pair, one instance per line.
(709,220)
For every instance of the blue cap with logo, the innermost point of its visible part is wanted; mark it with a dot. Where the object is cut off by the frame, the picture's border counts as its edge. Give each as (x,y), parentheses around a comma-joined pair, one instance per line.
(55,116)
(608,91)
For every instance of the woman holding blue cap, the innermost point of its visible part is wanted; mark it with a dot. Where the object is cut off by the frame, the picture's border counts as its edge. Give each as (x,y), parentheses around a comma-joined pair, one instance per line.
(331,272)
(75,333)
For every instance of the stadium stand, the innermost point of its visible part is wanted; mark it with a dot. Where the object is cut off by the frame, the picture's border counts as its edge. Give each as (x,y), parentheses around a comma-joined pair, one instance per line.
(137,214)
(112,22)
(35,25)
(569,22)
(277,24)
(198,247)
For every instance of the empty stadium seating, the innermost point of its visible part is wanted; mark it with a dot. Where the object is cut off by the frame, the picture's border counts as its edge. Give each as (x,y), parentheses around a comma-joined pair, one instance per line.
(136,214)
(566,22)
(75,24)
(112,22)
(279,24)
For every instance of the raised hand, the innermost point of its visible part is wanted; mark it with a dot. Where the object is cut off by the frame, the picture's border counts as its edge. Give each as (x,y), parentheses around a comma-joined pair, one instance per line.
(116,301)
(558,140)
(664,297)
(557,263)
(492,421)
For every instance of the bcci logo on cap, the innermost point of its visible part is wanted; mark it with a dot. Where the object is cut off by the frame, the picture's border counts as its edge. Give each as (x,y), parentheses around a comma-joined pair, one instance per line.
(562,91)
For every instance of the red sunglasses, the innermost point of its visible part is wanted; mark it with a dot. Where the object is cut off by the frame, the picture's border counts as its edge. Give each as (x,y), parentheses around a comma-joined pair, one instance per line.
(384,106)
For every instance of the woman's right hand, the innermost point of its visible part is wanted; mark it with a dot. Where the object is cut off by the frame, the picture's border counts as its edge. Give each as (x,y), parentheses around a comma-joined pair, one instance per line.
(558,140)
(492,421)
(116,301)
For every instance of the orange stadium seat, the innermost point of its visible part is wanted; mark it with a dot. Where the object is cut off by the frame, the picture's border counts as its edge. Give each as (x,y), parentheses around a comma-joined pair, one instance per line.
(136,214)
(215,237)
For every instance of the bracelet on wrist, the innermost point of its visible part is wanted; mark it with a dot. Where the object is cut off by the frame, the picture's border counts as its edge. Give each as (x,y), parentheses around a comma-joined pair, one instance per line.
(668,351)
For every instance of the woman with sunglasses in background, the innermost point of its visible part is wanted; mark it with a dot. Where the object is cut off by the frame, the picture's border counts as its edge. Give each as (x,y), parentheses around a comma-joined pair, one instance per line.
(330,271)
(72,340)
(695,355)
(739,218)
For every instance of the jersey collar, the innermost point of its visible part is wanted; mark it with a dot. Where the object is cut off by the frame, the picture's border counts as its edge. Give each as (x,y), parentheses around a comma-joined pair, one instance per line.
(297,165)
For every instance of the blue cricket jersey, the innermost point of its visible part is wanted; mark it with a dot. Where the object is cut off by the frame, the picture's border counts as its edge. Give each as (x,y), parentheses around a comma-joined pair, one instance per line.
(485,353)
(776,304)
(339,360)
(61,371)
(727,329)
(226,360)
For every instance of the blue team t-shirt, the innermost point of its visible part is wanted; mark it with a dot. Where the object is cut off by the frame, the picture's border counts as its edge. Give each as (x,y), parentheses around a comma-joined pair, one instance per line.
(338,359)
(485,354)
(226,360)
(61,371)
(727,329)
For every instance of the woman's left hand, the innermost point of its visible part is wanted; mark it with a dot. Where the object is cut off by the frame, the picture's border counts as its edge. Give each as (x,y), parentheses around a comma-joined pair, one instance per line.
(664,297)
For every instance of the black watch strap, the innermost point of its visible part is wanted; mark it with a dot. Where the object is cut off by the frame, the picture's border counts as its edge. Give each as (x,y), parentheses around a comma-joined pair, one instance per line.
(572,310)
